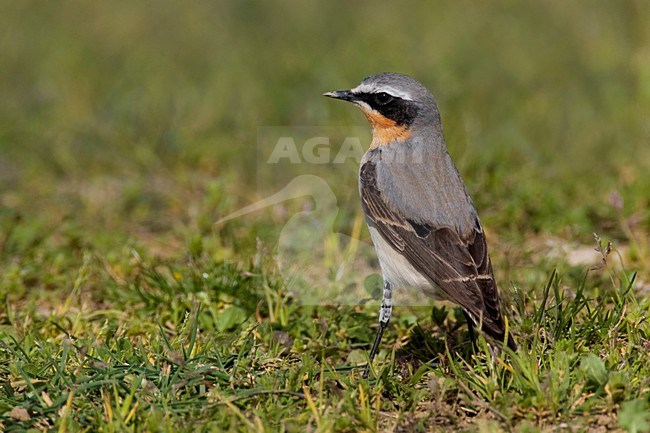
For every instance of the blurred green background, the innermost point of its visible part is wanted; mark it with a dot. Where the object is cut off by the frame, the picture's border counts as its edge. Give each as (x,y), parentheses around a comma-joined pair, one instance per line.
(127,129)
(138,121)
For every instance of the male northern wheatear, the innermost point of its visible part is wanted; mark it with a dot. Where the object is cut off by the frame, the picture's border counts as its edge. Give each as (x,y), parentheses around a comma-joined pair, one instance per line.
(422,221)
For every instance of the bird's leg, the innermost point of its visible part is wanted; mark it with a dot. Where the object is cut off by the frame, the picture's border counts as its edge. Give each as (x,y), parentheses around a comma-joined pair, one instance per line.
(384,317)
(470,328)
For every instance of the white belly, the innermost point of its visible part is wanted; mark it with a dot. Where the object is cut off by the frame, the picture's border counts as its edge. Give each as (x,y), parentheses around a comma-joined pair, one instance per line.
(397,270)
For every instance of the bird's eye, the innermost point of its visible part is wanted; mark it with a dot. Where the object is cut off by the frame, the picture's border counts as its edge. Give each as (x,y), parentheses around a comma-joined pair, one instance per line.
(383,98)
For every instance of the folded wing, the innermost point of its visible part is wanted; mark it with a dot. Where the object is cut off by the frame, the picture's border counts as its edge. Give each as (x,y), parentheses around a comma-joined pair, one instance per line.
(457,263)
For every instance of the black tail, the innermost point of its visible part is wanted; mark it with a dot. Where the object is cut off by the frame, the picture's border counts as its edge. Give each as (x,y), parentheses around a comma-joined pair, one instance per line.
(499,336)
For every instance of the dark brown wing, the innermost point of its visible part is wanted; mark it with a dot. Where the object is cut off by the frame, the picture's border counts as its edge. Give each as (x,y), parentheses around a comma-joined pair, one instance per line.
(458,264)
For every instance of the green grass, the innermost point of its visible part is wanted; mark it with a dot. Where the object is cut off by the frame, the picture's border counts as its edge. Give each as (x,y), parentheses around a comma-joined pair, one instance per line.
(127,130)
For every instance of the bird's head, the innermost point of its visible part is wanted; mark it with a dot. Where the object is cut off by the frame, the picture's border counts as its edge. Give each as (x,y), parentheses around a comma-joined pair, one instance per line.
(393,103)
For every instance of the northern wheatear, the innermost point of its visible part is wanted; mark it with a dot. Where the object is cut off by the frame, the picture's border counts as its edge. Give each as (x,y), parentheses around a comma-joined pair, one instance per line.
(421,219)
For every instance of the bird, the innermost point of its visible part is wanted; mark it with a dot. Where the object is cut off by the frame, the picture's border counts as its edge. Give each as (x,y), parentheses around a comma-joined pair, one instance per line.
(422,221)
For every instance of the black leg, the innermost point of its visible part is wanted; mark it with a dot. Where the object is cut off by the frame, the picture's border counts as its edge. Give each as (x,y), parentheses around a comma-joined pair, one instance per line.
(375,347)
(470,328)
(384,317)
